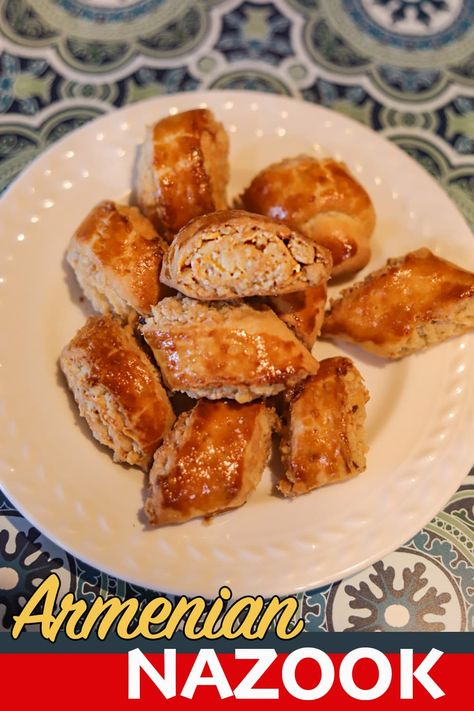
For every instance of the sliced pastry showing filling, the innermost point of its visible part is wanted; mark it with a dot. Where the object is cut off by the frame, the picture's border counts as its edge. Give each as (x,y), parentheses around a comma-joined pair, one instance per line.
(116,255)
(412,303)
(302,311)
(231,254)
(183,170)
(117,389)
(324,438)
(323,200)
(211,461)
(225,349)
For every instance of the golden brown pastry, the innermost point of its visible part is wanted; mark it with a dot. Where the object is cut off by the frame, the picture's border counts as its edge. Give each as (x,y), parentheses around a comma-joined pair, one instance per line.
(116,255)
(211,461)
(412,303)
(225,350)
(232,254)
(321,199)
(302,311)
(183,170)
(118,390)
(324,438)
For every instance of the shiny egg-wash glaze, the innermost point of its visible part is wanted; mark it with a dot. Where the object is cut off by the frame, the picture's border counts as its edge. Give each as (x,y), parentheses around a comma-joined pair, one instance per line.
(183,170)
(302,311)
(225,349)
(321,199)
(118,390)
(116,255)
(413,302)
(324,439)
(211,461)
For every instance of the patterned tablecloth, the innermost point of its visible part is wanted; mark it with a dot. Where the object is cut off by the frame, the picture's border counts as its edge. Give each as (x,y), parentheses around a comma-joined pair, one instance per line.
(403,67)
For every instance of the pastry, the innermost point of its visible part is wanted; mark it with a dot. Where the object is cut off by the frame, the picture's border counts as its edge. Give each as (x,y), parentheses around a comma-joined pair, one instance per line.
(183,170)
(321,199)
(232,254)
(302,311)
(116,255)
(324,439)
(412,303)
(211,461)
(117,389)
(225,349)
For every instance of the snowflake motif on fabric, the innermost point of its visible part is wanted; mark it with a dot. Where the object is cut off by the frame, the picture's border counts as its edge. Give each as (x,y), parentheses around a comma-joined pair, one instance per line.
(351,101)
(409,81)
(255,32)
(460,125)
(148,82)
(452,558)
(397,609)
(25,566)
(422,9)
(411,25)
(24,85)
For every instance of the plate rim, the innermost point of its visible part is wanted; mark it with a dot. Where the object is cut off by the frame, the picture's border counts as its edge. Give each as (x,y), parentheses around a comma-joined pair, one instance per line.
(207,94)
(204,96)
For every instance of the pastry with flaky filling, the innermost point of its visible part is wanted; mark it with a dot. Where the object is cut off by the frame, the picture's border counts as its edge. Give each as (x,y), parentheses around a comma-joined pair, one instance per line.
(116,255)
(324,439)
(211,461)
(225,349)
(183,170)
(117,389)
(232,254)
(323,200)
(412,303)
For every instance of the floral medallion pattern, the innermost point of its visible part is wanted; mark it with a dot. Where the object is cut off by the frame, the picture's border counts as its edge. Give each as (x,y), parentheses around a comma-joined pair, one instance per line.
(345,55)
(403,67)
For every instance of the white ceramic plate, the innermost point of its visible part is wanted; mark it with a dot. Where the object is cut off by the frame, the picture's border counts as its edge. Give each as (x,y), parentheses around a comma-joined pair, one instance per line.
(419,417)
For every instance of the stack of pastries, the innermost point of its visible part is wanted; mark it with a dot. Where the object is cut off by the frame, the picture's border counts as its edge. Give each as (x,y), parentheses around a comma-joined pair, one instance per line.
(225,303)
